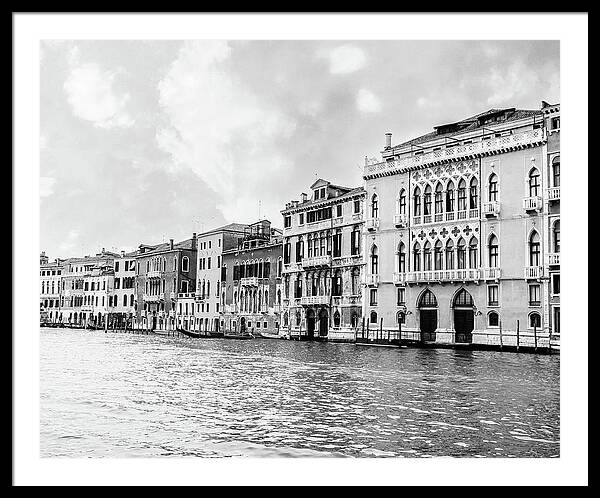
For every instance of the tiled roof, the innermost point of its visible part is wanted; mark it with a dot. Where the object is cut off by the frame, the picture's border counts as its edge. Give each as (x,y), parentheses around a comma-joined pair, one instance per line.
(231,227)
(470,124)
(303,205)
(166,246)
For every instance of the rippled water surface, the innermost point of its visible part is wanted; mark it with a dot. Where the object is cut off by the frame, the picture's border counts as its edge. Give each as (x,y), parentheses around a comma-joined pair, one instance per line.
(120,395)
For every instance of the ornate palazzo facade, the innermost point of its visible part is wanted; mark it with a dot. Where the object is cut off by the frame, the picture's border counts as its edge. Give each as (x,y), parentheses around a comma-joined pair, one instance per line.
(457,233)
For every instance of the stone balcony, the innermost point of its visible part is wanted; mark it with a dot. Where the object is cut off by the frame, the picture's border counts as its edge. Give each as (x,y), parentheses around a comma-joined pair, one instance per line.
(554,193)
(554,259)
(371,224)
(463,214)
(316,261)
(153,298)
(249,281)
(154,274)
(372,280)
(533,272)
(185,295)
(318,300)
(491,208)
(401,220)
(457,153)
(400,278)
(491,273)
(469,274)
(534,203)
(349,300)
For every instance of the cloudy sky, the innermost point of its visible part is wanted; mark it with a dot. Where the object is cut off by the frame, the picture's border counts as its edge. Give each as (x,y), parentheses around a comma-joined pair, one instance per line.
(143,141)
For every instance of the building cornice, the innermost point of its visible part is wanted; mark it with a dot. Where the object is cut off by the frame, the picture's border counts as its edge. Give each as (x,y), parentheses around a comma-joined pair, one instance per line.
(327,202)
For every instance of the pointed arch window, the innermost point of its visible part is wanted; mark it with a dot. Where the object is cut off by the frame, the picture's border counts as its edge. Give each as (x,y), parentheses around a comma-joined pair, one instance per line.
(461,254)
(439,201)
(534,183)
(417,257)
(450,255)
(417,202)
(401,258)
(374,260)
(463,299)
(450,198)
(493,252)
(534,249)
(373,317)
(374,206)
(402,202)
(427,201)
(473,259)
(427,256)
(473,194)
(336,319)
(428,300)
(437,256)
(493,188)
(462,195)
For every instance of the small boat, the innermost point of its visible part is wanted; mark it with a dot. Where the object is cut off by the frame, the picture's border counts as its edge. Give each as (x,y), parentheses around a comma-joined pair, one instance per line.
(189,333)
(270,335)
(238,336)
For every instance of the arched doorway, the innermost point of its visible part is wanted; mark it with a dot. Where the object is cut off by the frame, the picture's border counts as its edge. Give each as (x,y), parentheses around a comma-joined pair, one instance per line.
(323,322)
(310,323)
(428,316)
(242,325)
(464,317)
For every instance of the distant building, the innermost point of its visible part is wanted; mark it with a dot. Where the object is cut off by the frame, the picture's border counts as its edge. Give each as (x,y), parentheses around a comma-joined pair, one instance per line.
(121,302)
(86,285)
(51,300)
(462,229)
(323,263)
(208,297)
(251,281)
(162,271)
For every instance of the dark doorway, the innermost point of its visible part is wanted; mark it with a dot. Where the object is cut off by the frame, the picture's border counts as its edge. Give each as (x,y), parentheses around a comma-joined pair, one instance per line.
(464,317)
(153,323)
(428,316)
(242,325)
(310,323)
(323,322)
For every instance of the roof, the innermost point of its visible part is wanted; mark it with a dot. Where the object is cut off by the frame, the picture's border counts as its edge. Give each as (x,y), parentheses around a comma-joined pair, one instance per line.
(231,227)
(471,123)
(351,193)
(166,246)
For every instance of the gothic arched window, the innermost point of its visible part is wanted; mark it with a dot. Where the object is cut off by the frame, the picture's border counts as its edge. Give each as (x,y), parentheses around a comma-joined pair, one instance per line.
(402,202)
(493,188)
(439,202)
(401,258)
(461,254)
(534,183)
(437,257)
(417,257)
(493,252)
(450,197)
(473,195)
(417,202)
(374,206)
(374,261)
(534,249)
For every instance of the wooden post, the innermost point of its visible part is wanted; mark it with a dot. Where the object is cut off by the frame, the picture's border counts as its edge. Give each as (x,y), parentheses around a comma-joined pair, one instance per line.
(105,325)
(400,331)
(517,335)
(500,334)
(380,329)
(535,337)
(363,328)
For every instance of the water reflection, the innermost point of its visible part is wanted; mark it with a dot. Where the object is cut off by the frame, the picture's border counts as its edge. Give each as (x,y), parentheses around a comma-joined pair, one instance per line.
(128,395)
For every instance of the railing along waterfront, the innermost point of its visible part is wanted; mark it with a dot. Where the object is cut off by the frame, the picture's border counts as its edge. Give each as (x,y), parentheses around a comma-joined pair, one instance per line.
(483,147)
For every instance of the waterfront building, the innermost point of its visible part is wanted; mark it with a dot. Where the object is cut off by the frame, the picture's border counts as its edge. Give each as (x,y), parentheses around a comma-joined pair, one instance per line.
(86,285)
(552,236)
(51,301)
(457,231)
(323,263)
(121,302)
(208,296)
(251,276)
(161,272)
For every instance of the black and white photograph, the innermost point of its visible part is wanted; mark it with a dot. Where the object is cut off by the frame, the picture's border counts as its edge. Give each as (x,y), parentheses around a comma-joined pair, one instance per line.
(299,249)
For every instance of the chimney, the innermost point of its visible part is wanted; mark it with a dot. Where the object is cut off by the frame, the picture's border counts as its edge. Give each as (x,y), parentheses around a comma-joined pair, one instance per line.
(388,140)
(122,253)
(171,243)
(304,197)
(193,240)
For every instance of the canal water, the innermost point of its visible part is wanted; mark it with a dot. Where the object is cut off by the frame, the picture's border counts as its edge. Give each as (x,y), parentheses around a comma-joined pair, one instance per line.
(125,395)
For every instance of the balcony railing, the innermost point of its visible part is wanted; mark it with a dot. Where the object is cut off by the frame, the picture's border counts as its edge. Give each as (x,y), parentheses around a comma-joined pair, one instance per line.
(372,279)
(185,295)
(534,271)
(401,220)
(400,278)
(500,144)
(492,273)
(554,258)
(172,295)
(444,275)
(153,298)
(372,224)
(532,203)
(310,300)
(491,208)
(316,261)
(154,274)
(250,281)
(554,193)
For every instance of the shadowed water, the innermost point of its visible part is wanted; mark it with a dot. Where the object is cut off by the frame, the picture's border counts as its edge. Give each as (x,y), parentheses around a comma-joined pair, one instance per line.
(120,395)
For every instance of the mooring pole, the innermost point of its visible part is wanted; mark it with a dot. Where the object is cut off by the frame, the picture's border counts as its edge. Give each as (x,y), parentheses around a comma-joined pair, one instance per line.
(535,337)
(363,328)
(517,335)
(400,331)
(500,334)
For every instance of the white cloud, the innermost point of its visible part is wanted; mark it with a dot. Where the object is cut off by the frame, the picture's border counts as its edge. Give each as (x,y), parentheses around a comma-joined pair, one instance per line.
(221,130)
(507,83)
(46,186)
(70,241)
(367,101)
(346,59)
(91,93)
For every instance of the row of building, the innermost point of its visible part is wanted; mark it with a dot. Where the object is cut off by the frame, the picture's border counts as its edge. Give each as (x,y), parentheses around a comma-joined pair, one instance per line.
(453,237)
